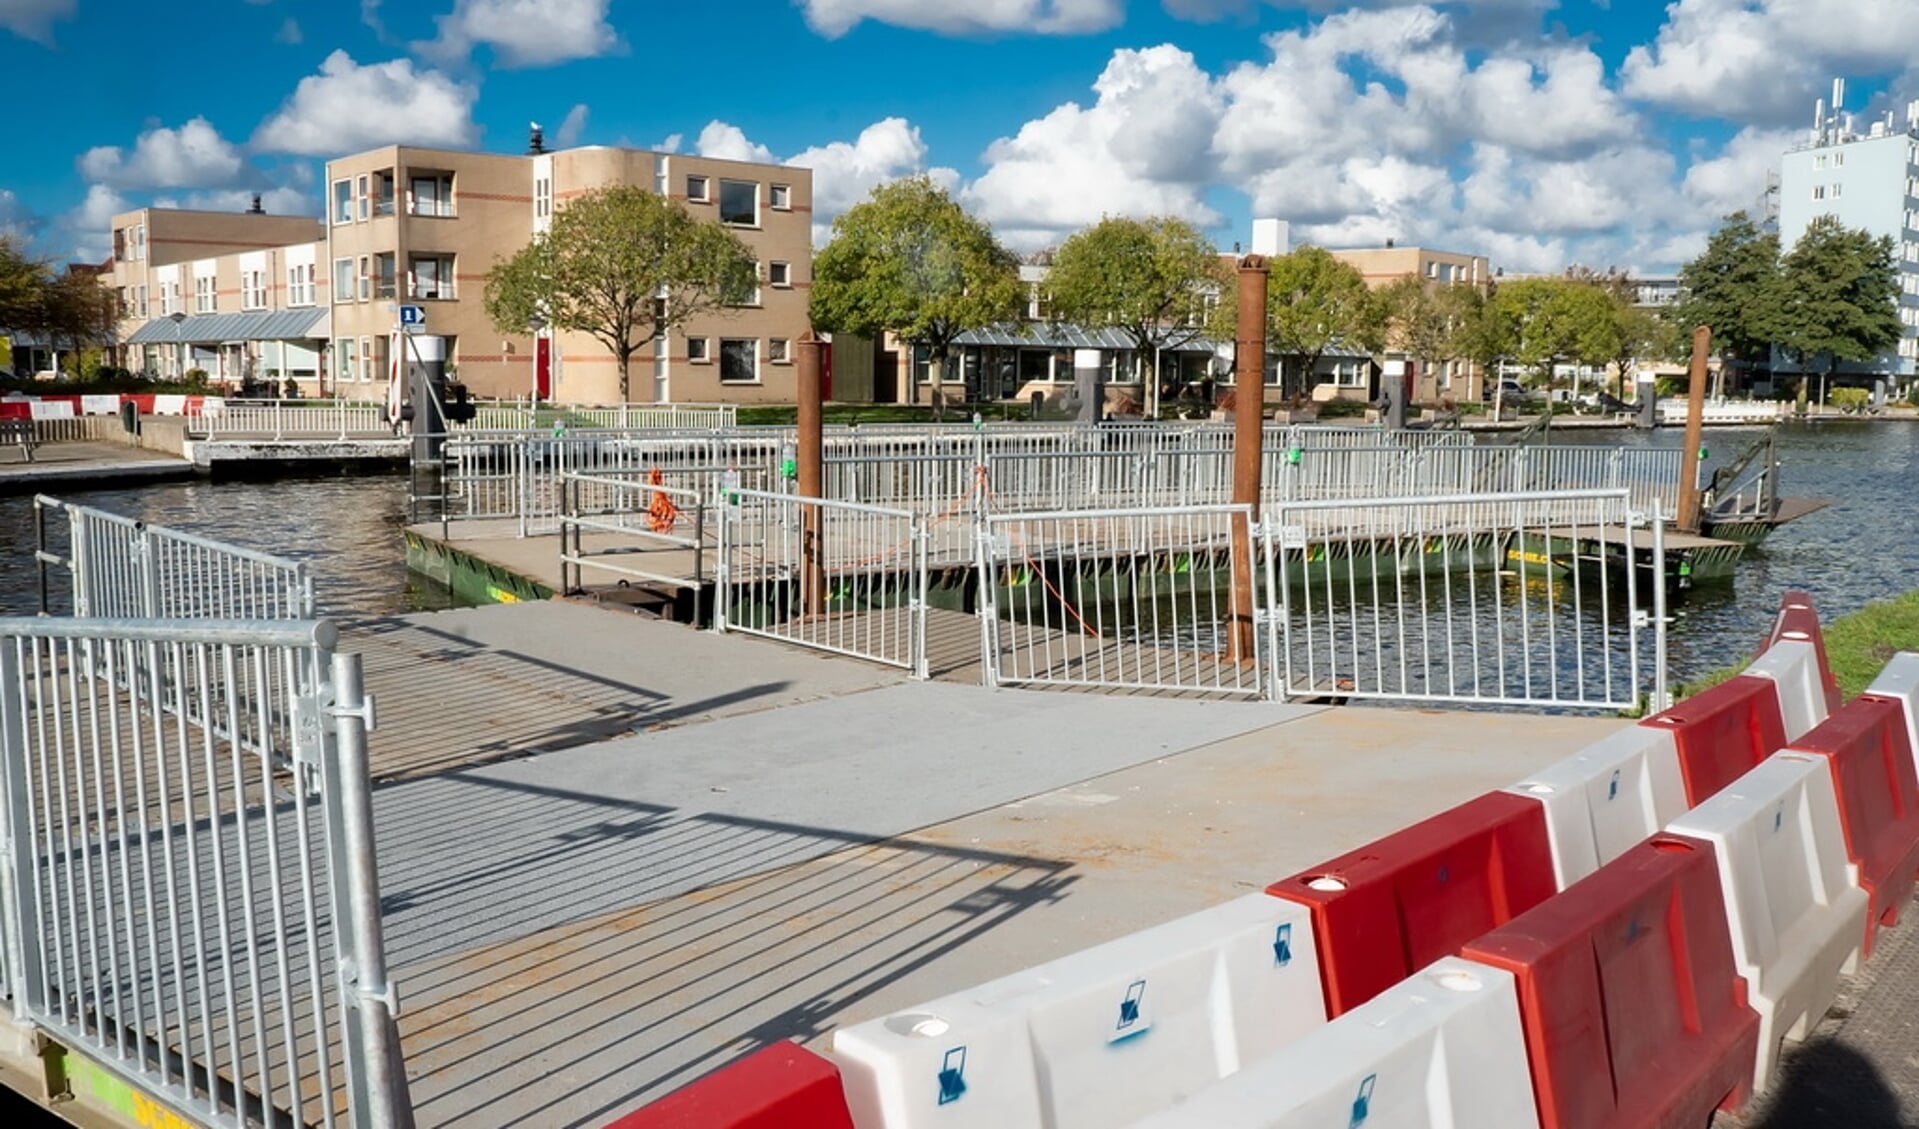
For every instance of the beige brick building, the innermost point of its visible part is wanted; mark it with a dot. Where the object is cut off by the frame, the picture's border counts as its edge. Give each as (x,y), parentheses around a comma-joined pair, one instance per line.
(1457,379)
(424,226)
(255,297)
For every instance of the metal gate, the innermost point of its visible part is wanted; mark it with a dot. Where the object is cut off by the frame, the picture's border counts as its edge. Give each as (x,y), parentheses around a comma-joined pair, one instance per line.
(1133,599)
(873,576)
(1519,598)
(187,876)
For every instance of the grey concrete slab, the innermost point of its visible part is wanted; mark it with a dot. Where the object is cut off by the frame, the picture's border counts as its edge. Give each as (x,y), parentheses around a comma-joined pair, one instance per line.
(482,855)
(576,1024)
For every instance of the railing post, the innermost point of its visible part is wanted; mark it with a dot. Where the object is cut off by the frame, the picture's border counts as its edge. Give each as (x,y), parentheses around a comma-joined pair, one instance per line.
(810,441)
(1249,403)
(19,901)
(376,1074)
(1661,691)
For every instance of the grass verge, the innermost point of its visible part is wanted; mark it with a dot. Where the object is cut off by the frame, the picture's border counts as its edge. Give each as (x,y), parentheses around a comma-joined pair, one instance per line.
(1857,645)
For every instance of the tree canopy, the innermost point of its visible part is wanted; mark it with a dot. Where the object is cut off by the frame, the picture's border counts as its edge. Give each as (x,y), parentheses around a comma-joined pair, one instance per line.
(1430,323)
(1150,279)
(1841,295)
(1313,303)
(1736,287)
(602,266)
(911,261)
(71,310)
(1545,322)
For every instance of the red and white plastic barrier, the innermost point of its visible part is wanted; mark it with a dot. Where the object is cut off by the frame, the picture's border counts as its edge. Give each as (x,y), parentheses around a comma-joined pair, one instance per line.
(1441,1048)
(1798,677)
(1607,798)
(1792,902)
(70,406)
(1098,1038)
(780,1087)
(1798,621)
(1899,680)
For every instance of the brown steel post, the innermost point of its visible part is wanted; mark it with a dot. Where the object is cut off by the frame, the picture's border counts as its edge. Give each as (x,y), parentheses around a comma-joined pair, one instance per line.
(1249,418)
(812,477)
(1688,516)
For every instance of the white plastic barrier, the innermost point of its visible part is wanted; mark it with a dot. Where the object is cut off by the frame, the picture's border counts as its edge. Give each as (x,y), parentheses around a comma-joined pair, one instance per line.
(1443,1048)
(1607,798)
(1098,1038)
(1793,667)
(95,405)
(1797,914)
(1900,679)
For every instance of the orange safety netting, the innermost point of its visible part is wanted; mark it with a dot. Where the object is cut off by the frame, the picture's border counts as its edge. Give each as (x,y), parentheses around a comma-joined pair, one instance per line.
(661,512)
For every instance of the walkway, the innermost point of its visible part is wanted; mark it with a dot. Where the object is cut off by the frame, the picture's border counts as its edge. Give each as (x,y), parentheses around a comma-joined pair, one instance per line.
(57,465)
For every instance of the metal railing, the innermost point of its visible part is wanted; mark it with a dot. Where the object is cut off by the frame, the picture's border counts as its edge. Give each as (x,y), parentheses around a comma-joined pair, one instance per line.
(187,873)
(872,576)
(1114,599)
(525,416)
(1514,598)
(640,529)
(122,568)
(291,419)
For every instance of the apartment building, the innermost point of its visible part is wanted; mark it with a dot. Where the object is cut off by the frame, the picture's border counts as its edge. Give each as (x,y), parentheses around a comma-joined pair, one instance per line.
(234,295)
(1865,178)
(1428,381)
(413,226)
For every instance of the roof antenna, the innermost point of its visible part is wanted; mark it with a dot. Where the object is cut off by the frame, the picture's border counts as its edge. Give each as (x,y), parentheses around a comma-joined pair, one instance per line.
(255,209)
(535,140)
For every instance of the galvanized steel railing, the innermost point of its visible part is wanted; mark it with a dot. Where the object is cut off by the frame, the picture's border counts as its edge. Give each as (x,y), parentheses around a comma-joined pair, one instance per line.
(873,576)
(291,419)
(187,874)
(122,568)
(634,528)
(1514,598)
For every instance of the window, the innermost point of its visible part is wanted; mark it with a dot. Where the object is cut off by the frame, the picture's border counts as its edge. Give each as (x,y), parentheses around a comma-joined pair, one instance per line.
(780,197)
(346,356)
(779,274)
(366,359)
(143,301)
(343,280)
(739,360)
(431,194)
(363,189)
(740,202)
(748,296)
(205,296)
(300,285)
(696,190)
(253,290)
(1835,190)
(1819,162)
(342,201)
(126,301)
(542,197)
(1819,192)
(366,278)
(1838,160)
(140,241)
(122,244)
(385,275)
(696,350)
(430,276)
(169,298)
(778,351)
(383,192)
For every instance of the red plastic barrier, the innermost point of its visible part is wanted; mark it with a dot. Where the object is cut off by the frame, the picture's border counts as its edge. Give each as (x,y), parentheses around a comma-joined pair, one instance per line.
(1394,906)
(1872,770)
(1724,733)
(144,402)
(781,1087)
(15,409)
(1798,619)
(1632,1010)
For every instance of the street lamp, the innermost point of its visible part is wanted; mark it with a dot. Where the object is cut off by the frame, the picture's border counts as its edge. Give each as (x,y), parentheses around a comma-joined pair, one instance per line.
(536,325)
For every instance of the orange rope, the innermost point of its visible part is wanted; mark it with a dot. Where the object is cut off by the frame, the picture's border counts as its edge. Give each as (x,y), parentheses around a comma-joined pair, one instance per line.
(661,512)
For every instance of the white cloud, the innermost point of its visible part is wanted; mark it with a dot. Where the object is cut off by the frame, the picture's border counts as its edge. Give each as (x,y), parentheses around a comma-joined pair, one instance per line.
(725,142)
(16,222)
(289,32)
(1765,61)
(571,128)
(282,201)
(834,18)
(524,33)
(33,19)
(348,107)
(1142,148)
(1734,179)
(192,156)
(90,225)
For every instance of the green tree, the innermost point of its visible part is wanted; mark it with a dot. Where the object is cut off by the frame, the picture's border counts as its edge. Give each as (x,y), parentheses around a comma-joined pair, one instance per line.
(1150,279)
(23,284)
(1431,323)
(1841,296)
(1313,302)
(1543,323)
(78,312)
(601,267)
(1735,287)
(910,261)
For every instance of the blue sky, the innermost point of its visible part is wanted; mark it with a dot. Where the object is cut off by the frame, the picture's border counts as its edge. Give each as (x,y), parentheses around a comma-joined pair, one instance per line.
(1540,133)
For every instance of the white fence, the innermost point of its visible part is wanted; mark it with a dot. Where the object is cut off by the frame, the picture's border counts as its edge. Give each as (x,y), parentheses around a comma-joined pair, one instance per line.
(187,889)
(1510,598)
(634,528)
(1117,599)
(1727,411)
(122,568)
(290,419)
(871,576)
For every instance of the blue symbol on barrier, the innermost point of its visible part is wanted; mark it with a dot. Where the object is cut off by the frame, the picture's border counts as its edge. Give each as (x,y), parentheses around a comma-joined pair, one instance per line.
(1778,820)
(1129,1007)
(953,1075)
(1362,1102)
(1283,945)
(1445,875)
(1633,930)
(1612,791)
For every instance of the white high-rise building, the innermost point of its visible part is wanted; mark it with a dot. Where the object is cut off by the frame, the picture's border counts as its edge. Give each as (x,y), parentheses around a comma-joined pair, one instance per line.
(1866,175)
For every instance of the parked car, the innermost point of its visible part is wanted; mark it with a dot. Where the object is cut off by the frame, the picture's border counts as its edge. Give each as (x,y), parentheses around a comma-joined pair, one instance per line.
(1511,392)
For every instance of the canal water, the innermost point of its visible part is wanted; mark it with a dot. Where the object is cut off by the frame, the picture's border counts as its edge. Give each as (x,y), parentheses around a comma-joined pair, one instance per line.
(1863,547)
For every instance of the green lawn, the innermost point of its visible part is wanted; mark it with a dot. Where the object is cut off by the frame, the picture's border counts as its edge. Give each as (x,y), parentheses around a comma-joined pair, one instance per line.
(1857,645)
(777,414)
